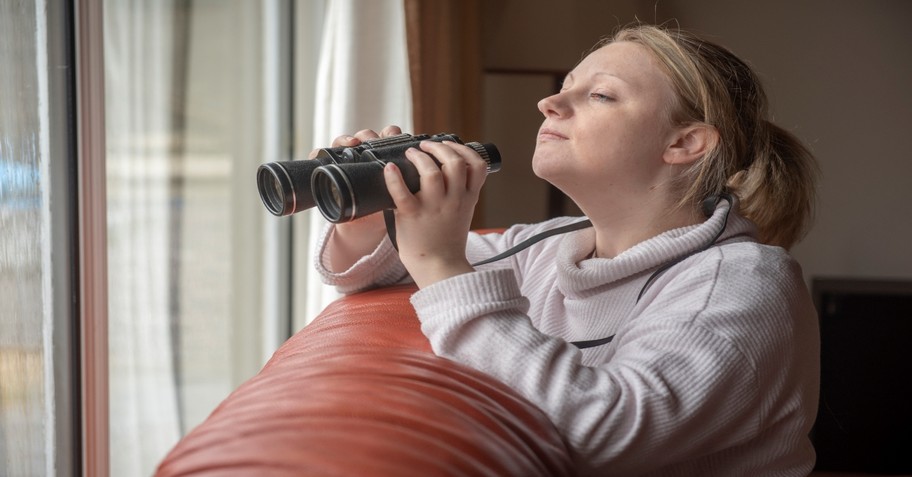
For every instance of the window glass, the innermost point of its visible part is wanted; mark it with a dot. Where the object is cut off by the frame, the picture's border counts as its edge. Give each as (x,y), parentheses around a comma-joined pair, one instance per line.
(25,423)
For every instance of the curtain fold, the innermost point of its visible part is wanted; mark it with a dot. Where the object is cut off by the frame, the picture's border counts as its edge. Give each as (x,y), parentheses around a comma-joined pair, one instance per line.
(184,106)
(362,82)
(445,67)
(143,413)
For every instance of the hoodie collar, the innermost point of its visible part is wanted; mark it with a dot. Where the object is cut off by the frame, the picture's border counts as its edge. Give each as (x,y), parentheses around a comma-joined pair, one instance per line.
(578,274)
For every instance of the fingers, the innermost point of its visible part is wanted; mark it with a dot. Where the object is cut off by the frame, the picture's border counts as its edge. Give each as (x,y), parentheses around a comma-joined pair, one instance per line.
(463,169)
(476,167)
(368,134)
(477,171)
(391,130)
(344,141)
(398,190)
(452,164)
(431,177)
(359,137)
(441,170)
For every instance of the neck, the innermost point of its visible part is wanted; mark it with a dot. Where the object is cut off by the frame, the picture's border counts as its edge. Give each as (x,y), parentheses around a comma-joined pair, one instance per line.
(618,230)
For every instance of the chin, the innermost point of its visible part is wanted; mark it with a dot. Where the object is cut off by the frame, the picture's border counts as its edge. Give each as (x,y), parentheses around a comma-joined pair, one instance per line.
(543,168)
(550,172)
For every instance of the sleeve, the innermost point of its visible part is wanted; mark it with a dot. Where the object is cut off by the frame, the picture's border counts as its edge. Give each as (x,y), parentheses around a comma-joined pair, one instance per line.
(673,389)
(379,268)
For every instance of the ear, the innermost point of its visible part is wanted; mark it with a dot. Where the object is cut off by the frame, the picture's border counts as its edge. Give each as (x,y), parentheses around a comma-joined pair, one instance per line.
(690,143)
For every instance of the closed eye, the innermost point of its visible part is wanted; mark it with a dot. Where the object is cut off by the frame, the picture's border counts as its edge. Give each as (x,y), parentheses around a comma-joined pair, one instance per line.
(602,98)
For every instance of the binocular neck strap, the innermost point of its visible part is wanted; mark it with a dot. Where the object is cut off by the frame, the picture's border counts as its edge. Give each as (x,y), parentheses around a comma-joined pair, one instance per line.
(390,219)
(535,239)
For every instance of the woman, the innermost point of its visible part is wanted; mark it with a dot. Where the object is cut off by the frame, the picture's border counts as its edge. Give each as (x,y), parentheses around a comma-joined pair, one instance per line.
(673,337)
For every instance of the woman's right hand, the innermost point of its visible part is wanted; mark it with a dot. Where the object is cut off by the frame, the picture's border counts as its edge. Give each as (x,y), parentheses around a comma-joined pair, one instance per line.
(352,240)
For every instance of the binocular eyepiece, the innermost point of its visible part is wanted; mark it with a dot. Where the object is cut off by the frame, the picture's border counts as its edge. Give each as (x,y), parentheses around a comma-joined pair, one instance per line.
(346,183)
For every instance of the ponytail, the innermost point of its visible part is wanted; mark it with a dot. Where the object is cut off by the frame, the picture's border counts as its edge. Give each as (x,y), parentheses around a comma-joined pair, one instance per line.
(777,190)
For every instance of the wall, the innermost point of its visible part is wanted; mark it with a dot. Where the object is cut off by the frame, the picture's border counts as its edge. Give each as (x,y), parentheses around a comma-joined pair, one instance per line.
(837,73)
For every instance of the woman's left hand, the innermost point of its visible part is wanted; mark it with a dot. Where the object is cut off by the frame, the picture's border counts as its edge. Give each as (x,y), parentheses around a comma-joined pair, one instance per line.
(432,225)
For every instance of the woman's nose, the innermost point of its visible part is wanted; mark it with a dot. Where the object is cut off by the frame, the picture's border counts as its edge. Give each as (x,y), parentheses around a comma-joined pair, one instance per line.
(552,106)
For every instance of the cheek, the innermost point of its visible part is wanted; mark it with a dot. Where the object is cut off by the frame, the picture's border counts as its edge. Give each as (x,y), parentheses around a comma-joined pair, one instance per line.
(643,139)
(628,154)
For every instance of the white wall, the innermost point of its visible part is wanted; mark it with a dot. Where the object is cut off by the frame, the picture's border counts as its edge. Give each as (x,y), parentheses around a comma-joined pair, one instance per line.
(838,73)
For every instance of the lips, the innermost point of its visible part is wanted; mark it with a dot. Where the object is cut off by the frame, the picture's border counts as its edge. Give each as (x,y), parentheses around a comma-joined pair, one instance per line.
(550,134)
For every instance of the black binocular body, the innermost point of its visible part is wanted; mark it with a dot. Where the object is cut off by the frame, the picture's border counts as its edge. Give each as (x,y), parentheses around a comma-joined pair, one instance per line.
(346,183)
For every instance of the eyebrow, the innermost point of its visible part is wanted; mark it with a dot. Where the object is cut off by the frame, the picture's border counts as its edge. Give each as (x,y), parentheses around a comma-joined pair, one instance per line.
(597,73)
(605,73)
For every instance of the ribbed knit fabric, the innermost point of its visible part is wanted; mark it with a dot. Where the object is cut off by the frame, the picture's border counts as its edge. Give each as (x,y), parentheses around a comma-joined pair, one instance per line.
(715,371)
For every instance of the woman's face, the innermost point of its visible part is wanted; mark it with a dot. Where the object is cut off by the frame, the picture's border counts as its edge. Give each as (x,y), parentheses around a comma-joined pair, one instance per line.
(606,131)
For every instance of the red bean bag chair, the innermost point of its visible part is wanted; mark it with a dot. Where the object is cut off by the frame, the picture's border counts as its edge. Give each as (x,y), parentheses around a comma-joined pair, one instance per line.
(359,393)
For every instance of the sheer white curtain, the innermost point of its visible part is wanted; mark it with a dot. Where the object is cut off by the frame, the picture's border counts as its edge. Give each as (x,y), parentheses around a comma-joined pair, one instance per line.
(362,81)
(195,93)
(143,395)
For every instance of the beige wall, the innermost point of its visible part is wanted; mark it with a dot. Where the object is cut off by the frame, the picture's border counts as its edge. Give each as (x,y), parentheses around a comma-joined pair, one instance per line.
(838,73)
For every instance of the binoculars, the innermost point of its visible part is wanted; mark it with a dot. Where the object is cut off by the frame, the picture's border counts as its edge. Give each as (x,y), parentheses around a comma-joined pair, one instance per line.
(346,183)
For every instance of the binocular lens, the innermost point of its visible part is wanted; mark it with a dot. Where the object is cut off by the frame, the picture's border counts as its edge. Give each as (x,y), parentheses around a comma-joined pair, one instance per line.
(336,195)
(333,193)
(276,189)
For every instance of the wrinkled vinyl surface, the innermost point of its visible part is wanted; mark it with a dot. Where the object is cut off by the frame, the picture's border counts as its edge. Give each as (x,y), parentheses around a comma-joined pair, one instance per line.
(359,393)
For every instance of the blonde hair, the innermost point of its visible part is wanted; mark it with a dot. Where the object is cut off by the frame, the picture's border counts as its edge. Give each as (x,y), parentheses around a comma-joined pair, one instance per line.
(766,167)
